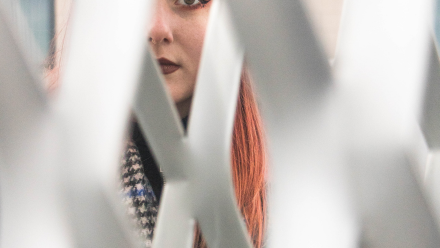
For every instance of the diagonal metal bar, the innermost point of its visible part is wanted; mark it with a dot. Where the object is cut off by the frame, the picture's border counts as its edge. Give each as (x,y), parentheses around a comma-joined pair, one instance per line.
(301,117)
(430,120)
(102,69)
(288,61)
(22,99)
(159,120)
(427,151)
(28,144)
(367,33)
(380,67)
(175,222)
(210,132)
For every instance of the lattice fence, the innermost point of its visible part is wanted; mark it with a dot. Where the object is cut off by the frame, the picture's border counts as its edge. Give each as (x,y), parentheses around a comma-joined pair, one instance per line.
(352,146)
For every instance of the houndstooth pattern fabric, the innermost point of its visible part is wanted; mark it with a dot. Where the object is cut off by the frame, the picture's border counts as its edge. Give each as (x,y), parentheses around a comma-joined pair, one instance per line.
(138,194)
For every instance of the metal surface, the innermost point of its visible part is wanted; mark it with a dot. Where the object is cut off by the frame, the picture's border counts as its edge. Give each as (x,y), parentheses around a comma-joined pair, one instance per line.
(98,86)
(341,147)
(431,116)
(429,175)
(301,119)
(28,173)
(381,68)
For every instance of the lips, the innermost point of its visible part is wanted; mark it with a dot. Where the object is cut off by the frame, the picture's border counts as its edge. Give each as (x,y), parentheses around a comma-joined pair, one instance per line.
(167,66)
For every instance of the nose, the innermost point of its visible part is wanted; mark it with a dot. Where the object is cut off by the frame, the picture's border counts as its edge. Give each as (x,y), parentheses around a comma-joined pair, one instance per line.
(160,31)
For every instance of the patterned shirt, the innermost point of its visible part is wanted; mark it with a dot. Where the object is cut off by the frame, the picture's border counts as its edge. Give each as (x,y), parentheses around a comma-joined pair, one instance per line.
(138,195)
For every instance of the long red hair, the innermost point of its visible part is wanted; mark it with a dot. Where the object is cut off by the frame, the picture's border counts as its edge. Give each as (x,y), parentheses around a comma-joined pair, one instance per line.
(248,164)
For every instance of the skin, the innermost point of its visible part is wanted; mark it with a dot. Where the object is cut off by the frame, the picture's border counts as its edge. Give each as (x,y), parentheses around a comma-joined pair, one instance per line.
(177,33)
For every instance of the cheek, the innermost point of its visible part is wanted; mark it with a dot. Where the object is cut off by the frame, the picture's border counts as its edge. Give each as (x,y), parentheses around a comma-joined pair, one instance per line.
(192,41)
(188,33)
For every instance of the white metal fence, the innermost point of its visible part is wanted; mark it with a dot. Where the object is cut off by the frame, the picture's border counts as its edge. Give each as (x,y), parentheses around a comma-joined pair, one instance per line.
(350,165)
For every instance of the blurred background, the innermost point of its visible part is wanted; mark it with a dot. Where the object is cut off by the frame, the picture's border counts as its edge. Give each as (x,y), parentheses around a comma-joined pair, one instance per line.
(35,21)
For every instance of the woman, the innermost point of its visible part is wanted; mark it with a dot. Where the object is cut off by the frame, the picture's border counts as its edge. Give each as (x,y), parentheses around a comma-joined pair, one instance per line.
(176,37)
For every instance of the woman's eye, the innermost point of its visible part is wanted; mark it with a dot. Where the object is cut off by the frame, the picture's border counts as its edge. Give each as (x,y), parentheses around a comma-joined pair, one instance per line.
(188,2)
(192,2)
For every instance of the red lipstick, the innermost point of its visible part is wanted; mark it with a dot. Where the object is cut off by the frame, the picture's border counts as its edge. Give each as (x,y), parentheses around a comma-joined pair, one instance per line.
(167,66)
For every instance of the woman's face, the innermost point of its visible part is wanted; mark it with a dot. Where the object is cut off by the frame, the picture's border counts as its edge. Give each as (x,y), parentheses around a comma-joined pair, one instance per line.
(176,38)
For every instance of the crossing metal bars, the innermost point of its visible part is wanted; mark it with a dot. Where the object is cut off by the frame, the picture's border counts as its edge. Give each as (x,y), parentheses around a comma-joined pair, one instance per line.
(341,140)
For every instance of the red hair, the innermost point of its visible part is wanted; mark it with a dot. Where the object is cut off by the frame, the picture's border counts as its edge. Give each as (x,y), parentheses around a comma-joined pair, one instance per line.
(248,164)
